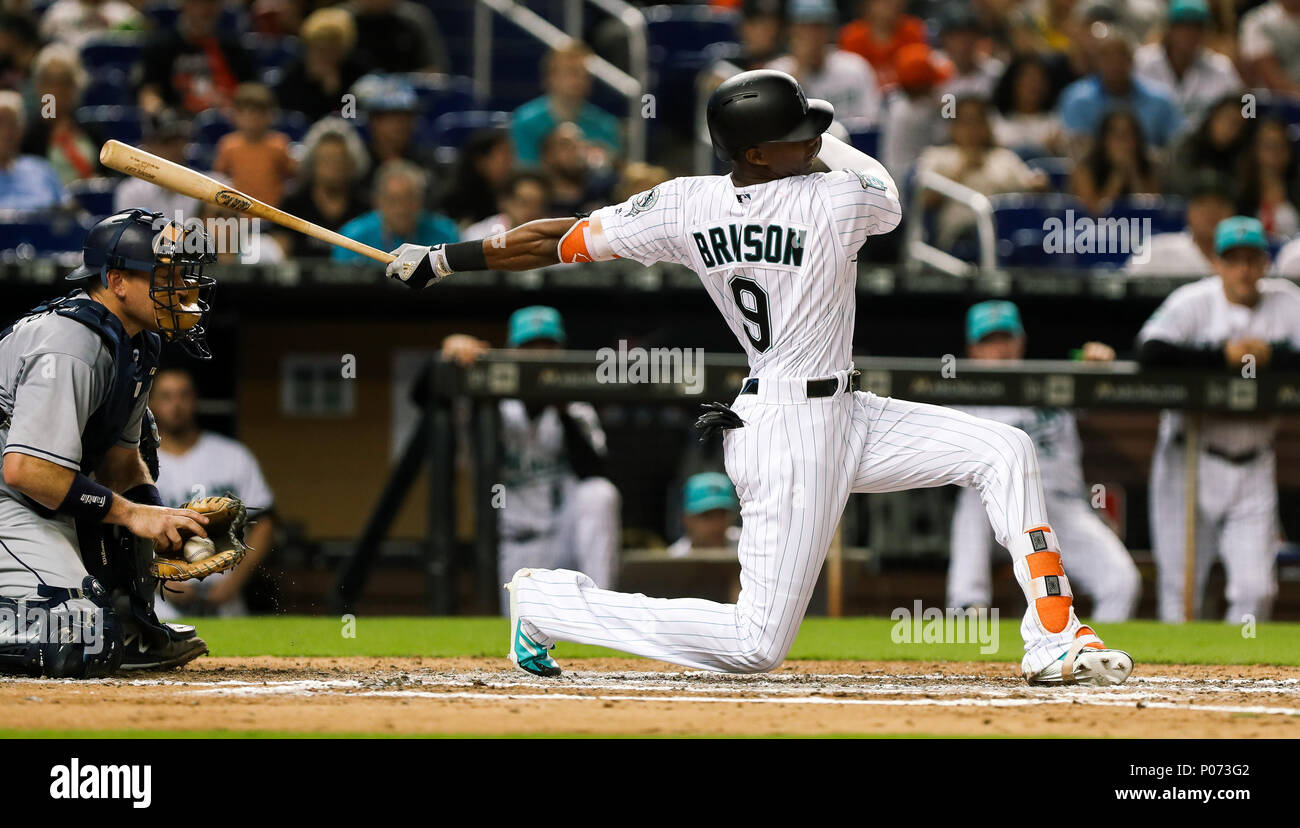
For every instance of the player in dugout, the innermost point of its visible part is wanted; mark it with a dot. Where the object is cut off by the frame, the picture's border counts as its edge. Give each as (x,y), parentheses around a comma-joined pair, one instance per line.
(559,508)
(1240,322)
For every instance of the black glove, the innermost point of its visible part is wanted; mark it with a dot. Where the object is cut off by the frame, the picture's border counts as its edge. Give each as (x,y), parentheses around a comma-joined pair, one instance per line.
(716,417)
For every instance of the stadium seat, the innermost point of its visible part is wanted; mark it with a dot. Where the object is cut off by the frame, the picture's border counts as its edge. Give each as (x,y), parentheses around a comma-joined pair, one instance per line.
(234,20)
(1282,107)
(45,231)
(120,122)
(111,50)
(439,94)
(95,195)
(867,140)
(452,128)
(108,86)
(688,28)
(271,52)
(1020,221)
(293,124)
(1168,214)
(210,125)
(1056,168)
(682,42)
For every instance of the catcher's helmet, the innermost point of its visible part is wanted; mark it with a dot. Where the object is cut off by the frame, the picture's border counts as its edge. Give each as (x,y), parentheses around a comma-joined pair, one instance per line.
(141,240)
(760,106)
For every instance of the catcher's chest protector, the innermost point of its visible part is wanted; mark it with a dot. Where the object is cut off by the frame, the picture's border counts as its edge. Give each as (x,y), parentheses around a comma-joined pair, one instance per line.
(134,363)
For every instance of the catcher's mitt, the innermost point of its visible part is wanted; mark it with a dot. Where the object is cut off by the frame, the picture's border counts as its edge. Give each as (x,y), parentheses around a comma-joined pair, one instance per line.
(226,518)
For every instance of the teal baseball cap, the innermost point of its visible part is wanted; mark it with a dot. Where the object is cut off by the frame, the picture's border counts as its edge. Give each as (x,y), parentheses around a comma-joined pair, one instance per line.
(533,323)
(1239,231)
(993,316)
(1189,11)
(707,491)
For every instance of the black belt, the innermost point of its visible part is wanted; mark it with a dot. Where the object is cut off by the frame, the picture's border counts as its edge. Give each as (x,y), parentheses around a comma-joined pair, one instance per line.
(1235,459)
(816,388)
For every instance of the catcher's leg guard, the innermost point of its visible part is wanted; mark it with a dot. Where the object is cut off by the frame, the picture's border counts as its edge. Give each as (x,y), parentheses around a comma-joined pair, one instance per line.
(65,633)
(122,561)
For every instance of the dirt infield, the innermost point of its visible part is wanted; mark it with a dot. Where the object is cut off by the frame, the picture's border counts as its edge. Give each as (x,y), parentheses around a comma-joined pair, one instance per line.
(638,697)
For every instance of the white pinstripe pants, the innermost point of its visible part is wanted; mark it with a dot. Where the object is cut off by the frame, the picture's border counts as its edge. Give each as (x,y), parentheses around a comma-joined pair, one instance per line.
(1099,562)
(1236,521)
(794,464)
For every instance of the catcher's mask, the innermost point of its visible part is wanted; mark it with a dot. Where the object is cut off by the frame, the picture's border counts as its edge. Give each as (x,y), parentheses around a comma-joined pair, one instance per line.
(174,253)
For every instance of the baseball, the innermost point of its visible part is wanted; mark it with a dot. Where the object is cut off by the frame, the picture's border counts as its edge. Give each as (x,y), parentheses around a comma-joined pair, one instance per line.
(196,549)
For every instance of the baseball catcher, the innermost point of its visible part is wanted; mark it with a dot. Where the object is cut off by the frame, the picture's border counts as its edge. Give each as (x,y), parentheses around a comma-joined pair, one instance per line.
(81,522)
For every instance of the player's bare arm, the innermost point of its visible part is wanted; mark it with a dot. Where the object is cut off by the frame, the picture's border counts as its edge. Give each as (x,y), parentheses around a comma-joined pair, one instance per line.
(50,485)
(531,245)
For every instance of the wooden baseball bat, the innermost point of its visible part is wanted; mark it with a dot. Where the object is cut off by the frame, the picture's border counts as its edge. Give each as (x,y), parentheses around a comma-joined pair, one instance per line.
(170,176)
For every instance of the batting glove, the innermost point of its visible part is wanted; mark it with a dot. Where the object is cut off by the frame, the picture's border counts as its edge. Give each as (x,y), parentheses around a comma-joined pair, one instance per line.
(418,266)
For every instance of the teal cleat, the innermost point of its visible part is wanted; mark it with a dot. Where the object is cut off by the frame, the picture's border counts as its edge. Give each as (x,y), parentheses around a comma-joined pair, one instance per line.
(525,653)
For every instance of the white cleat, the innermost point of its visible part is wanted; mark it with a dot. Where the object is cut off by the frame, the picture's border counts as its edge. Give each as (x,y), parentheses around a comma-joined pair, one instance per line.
(1086,666)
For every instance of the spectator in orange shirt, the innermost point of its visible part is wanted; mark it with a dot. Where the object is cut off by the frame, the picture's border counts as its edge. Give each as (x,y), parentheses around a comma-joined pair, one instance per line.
(255,157)
(878,34)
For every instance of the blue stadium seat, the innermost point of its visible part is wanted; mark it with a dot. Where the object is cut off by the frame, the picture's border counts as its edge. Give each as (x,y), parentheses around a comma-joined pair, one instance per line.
(683,41)
(452,128)
(1285,108)
(1168,214)
(293,124)
(688,28)
(95,195)
(108,86)
(1021,223)
(271,52)
(45,231)
(867,140)
(233,22)
(120,122)
(1165,214)
(113,50)
(1057,169)
(439,94)
(210,125)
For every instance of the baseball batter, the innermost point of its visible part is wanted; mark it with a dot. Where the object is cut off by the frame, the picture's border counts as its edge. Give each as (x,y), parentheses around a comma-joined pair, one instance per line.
(1231,319)
(1101,565)
(775,244)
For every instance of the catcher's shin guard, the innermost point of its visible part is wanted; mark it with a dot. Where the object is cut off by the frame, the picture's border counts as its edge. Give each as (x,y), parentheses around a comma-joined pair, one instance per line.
(121,561)
(86,643)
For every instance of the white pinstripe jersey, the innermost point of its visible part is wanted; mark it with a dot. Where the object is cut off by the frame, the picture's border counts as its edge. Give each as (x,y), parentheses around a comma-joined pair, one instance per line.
(1200,314)
(779,259)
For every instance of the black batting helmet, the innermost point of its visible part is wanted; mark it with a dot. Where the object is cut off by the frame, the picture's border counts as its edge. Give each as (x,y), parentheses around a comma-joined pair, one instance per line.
(142,240)
(760,106)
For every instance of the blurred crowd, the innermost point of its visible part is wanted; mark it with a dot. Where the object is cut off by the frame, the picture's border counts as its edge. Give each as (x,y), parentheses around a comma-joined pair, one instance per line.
(353,116)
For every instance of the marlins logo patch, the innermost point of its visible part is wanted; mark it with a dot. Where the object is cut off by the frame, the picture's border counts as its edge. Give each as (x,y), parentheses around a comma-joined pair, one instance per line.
(869,182)
(643,202)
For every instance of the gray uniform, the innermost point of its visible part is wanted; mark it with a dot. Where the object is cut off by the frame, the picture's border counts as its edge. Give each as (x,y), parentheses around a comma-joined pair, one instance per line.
(54,373)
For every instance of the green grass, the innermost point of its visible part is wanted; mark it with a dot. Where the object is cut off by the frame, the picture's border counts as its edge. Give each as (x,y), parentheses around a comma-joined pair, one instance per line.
(854,639)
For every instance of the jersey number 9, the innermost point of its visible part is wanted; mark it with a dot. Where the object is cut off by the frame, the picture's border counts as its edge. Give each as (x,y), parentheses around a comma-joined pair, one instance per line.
(751,300)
